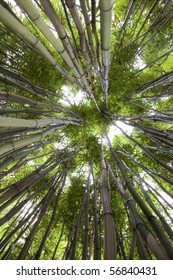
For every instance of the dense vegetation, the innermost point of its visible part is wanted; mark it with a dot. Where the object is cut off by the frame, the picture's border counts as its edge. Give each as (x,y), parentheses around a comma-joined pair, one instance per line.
(86,138)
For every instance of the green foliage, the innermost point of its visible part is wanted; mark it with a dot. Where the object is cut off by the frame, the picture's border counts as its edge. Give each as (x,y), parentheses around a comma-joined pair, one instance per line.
(70,155)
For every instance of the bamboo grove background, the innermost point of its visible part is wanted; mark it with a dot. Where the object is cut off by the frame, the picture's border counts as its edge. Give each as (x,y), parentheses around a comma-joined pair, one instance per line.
(69,191)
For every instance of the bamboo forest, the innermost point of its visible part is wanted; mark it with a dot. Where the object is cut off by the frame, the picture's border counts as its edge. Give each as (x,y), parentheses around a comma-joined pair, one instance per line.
(86,135)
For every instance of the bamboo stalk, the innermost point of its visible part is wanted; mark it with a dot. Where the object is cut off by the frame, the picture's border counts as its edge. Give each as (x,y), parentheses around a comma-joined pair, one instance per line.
(105,26)
(15,145)
(44,122)
(23,100)
(53,217)
(28,240)
(25,34)
(74,12)
(50,12)
(34,15)
(109,226)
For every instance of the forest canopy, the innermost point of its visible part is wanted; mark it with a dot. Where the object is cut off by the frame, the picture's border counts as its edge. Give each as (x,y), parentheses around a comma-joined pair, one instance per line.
(86,136)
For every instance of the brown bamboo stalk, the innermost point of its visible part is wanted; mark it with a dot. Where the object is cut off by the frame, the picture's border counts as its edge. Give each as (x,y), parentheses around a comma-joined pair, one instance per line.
(163,239)
(53,217)
(109,226)
(28,241)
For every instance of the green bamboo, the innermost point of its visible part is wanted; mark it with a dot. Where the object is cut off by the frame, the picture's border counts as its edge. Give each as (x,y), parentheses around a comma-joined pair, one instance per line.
(25,34)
